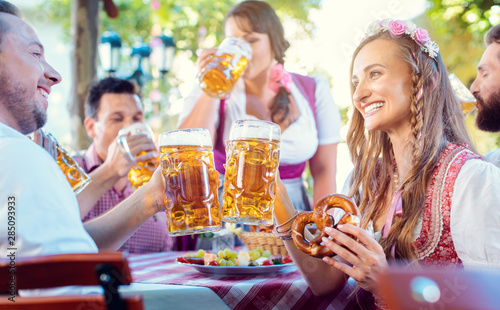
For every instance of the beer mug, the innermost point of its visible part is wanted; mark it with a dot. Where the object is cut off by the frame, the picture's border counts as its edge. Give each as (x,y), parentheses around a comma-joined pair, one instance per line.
(142,172)
(252,159)
(218,77)
(191,198)
(76,176)
(466,98)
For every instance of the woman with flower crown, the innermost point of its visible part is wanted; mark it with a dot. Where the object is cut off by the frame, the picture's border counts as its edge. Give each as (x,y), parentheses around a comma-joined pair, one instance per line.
(302,106)
(424,195)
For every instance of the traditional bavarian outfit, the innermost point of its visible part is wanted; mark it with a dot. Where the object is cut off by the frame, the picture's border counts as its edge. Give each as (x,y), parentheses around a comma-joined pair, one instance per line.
(443,237)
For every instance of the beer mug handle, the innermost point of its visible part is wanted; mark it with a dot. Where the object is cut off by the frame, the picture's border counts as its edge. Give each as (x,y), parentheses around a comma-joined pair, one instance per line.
(47,141)
(124,148)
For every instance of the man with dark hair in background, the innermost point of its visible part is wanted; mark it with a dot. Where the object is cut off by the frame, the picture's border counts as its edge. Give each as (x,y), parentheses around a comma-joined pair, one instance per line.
(111,105)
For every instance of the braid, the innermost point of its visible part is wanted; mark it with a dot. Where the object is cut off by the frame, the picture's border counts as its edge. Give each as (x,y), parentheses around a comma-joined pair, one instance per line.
(280,108)
(416,109)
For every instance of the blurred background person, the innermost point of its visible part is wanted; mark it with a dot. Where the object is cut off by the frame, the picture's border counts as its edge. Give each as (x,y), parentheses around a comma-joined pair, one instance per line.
(302,106)
(111,105)
(486,89)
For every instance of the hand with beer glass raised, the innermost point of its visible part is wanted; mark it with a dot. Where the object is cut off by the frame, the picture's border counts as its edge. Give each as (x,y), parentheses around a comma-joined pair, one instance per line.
(191,198)
(253,152)
(222,67)
(135,142)
(302,106)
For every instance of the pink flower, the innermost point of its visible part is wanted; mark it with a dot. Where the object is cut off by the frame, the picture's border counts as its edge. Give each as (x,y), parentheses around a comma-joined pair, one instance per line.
(279,78)
(421,36)
(397,27)
(155,5)
(155,95)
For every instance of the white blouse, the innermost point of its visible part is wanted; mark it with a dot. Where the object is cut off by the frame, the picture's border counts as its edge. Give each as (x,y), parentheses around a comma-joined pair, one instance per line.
(474,217)
(301,139)
(494,157)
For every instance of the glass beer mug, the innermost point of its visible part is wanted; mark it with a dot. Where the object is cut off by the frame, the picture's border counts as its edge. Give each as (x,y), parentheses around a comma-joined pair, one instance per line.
(142,172)
(76,176)
(218,77)
(191,199)
(466,98)
(252,160)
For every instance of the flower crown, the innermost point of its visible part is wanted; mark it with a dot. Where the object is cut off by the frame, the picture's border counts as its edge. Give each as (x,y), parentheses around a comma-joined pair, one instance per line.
(398,28)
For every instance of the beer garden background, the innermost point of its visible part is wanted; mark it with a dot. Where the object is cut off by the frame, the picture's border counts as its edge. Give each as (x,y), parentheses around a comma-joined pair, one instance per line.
(322,33)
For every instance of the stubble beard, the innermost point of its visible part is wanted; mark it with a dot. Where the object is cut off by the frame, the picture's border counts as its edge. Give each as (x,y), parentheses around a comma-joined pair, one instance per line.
(27,112)
(488,114)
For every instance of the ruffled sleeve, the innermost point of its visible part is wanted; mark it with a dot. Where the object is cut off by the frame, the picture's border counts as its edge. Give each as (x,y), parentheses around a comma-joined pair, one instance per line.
(475,214)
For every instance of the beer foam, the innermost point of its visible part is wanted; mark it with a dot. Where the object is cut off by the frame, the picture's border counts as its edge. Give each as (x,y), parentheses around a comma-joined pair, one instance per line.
(254,129)
(191,136)
(136,128)
(235,45)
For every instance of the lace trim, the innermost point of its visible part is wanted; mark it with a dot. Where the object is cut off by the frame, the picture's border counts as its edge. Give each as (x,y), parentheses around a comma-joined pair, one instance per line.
(438,201)
(434,223)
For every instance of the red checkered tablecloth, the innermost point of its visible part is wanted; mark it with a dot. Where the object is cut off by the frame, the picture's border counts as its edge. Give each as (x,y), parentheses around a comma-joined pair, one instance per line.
(285,290)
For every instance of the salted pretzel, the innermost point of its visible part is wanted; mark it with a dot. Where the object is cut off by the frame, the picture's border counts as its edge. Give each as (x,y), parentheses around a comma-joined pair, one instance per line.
(322,219)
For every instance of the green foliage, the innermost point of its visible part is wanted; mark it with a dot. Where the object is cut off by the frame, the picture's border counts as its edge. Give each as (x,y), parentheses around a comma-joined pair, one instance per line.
(458,26)
(472,16)
(190,22)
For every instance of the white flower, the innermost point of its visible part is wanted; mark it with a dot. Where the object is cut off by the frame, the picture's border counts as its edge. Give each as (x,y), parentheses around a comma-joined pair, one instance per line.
(232,227)
(373,28)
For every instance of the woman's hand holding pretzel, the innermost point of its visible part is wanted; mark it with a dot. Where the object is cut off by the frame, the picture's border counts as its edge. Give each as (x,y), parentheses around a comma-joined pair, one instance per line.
(365,258)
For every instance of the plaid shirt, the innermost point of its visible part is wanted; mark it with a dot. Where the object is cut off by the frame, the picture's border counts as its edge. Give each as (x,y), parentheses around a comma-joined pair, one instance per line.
(152,236)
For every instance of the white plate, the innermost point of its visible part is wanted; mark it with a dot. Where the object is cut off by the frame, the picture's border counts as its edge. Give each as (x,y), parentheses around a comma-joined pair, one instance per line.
(237,270)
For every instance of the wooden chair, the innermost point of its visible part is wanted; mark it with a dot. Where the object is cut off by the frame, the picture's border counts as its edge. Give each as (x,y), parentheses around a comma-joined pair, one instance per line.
(108,270)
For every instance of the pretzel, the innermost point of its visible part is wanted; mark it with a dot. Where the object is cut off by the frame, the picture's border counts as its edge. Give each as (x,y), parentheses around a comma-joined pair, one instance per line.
(321,219)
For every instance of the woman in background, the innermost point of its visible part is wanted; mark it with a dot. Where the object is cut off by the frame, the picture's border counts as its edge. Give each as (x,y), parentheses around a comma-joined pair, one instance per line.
(302,106)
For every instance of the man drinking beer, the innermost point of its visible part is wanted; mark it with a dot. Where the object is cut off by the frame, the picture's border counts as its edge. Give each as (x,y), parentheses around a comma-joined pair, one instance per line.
(111,105)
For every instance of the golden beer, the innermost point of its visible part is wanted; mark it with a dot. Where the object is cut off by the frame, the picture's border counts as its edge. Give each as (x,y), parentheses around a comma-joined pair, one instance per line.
(142,172)
(76,176)
(468,107)
(191,199)
(251,170)
(219,76)
(466,98)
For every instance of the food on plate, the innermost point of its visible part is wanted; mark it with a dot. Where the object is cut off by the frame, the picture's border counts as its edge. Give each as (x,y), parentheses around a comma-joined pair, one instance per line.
(228,258)
(209,257)
(322,219)
(191,260)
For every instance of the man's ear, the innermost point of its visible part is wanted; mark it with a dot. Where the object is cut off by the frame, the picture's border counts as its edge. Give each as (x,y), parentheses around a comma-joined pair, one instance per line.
(89,124)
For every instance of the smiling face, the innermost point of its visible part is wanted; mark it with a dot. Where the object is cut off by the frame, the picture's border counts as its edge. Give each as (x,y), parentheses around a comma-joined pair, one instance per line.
(25,76)
(383,86)
(486,89)
(116,111)
(262,54)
